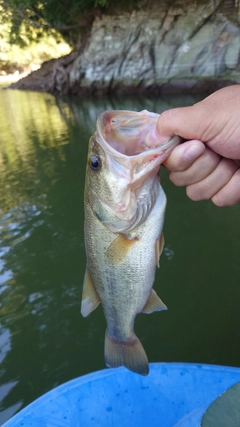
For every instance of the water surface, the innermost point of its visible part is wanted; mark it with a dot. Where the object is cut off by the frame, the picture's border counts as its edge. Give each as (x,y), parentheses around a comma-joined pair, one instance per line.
(44,341)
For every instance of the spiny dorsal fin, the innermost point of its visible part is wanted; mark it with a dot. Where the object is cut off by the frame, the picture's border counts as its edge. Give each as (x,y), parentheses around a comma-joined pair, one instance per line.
(159,245)
(130,354)
(118,249)
(154,303)
(90,298)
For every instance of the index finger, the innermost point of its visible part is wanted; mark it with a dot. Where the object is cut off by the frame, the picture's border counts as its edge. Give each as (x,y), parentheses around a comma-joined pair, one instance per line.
(184,155)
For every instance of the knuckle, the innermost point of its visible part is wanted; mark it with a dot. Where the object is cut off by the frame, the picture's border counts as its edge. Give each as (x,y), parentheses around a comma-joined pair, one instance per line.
(194,193)
(166,116)
(218,201)
(177,161)
(221,201)
(176,179)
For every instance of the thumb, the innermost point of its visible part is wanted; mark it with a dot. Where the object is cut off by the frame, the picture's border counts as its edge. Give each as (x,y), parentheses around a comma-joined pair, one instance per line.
(187,122)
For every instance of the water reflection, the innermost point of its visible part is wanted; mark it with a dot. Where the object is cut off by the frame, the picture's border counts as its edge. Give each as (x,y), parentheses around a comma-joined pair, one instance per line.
(38,217)
(43,339)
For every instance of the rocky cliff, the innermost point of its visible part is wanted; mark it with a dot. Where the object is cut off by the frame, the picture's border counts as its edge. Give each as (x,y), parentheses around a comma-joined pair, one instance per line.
(161,46)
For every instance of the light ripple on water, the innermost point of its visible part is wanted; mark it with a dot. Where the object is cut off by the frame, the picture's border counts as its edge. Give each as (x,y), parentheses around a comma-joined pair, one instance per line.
(18,223)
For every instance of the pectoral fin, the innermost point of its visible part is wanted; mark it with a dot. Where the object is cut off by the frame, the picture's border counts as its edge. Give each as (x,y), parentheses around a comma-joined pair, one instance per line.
(154,303)
(159,245)
(90,298)
(118,249)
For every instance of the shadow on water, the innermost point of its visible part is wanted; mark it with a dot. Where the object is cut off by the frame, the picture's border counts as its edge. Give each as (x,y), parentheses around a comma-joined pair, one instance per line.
(44,341)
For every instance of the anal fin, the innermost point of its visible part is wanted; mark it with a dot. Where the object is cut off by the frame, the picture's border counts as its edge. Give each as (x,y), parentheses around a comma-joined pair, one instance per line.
(90,298)
(154,303)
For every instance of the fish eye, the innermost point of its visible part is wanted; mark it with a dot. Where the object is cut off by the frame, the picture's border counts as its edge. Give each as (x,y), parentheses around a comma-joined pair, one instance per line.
(95,162)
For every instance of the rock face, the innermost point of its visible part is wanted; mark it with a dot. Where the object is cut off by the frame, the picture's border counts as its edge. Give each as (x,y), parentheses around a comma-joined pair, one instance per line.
(162,46)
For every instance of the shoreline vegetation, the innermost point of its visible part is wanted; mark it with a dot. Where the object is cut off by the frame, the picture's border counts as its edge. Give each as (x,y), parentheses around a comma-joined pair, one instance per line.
(19,61)
(144,47)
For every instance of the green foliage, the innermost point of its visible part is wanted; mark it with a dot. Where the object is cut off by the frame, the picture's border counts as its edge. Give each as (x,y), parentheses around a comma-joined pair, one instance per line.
(33,48)
(102,3)
(39,17)
(225,410)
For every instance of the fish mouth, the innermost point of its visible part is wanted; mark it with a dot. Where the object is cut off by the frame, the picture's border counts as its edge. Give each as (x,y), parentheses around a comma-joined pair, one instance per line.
(123,137)
(123,134)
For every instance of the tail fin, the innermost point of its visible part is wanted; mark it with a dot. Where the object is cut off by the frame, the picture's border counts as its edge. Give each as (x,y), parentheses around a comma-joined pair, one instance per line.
(130,354)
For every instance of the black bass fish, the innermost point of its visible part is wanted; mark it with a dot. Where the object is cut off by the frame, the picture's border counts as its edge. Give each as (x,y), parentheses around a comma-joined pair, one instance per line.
(124,216)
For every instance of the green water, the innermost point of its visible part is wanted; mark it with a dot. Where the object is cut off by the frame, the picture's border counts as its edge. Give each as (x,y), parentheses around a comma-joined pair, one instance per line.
(44,341)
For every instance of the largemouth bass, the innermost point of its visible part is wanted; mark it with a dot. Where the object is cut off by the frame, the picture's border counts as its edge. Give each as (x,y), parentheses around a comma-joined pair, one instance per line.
(124,215)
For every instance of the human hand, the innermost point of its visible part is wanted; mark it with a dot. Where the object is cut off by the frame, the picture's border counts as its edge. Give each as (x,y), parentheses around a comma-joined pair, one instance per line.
(208,163)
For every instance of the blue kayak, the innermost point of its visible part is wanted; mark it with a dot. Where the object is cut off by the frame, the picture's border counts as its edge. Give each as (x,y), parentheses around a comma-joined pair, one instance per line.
(172,395)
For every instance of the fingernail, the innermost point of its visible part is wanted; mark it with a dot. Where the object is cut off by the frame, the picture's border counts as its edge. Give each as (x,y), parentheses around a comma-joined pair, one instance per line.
(193,152)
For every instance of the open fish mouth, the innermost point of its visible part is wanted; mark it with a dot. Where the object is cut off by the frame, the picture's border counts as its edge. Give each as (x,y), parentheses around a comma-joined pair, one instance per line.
(124,133)
(123,136)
